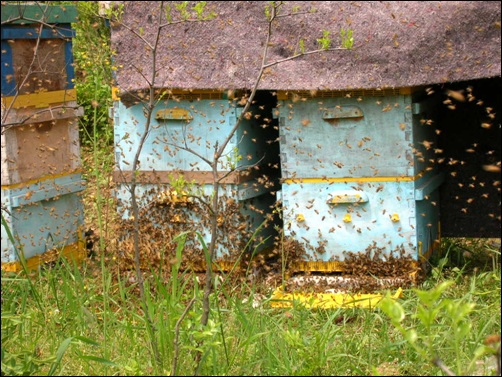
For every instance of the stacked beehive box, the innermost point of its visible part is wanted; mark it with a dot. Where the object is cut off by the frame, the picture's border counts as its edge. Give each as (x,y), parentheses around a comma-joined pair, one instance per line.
(41,177)
(174,178)
(358,175)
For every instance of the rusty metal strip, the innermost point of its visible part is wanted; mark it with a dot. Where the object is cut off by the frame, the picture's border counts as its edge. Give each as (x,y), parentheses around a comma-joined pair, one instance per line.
(192,95)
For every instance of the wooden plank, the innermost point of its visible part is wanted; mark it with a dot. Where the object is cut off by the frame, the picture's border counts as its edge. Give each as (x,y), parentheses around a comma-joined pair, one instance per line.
(30,115)
(40,100)
(30,13)
(40,149)
(200,177)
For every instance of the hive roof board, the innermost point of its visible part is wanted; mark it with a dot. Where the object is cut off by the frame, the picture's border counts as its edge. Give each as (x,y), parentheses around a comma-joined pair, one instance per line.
(25,13)
(396,44)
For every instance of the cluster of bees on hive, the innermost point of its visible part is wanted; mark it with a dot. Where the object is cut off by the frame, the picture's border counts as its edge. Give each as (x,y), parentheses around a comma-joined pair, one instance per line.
(161,221)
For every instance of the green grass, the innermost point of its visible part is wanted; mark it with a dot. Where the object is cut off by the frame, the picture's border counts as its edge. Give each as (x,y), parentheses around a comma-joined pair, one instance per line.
(88,323)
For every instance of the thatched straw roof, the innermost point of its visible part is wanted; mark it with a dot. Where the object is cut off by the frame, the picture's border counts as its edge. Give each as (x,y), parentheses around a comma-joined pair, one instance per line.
(396,44)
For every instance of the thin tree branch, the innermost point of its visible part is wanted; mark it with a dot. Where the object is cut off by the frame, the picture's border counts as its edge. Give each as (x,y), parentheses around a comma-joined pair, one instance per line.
(437,362)
(177,335)
(268,65)
(37,113)
(253,91)
(135,207)
(241,168)
(190,150)
(30,71)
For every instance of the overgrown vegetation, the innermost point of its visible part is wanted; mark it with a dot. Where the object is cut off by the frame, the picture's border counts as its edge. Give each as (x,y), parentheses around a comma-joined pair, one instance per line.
(84,325)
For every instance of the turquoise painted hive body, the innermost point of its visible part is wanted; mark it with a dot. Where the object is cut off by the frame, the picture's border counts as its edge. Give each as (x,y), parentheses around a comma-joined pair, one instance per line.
(173,177)
(357,175)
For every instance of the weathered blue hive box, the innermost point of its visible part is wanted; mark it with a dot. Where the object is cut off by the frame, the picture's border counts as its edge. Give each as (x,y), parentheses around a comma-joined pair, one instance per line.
(40,147)
(44,215)
(357,175)
(199,122)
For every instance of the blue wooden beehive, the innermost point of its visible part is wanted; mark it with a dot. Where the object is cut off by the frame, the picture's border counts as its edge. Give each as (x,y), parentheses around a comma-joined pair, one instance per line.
(41,177)
(44,215)
(357,175)
(198,121)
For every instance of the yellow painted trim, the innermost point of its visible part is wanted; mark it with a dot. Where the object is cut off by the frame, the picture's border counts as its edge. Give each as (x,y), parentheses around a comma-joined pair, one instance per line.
(350,179)
(280,299)
(355,179)
(318,266)
(39,100)
(173,114)
(74,251)
(115,94)
(41,179)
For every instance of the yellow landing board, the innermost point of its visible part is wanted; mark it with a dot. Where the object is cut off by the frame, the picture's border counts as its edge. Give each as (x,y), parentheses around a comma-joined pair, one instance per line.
(74,251)
(281,299)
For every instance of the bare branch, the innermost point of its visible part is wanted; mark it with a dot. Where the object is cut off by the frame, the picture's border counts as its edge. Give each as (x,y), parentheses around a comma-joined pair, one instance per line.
(37,113)
(134,32)
(241,168)
(30,71)
(292,14)
(268,65)
(190,150)
(437,362)
(177,335)
(142,75)
(189,20)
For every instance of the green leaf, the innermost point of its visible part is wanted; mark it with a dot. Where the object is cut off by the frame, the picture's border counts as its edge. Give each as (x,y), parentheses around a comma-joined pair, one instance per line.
(205,248)
(325,41)
(86,340)
(99,360)
(393,309)
(347,39)
(199,8)
(59,355)
(431,296)
(302,46)
(411,336)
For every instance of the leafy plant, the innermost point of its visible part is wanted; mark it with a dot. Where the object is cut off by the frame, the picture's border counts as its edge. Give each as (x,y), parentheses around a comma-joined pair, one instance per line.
(438,323)
(325,41)
(347,38)
(94,67)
